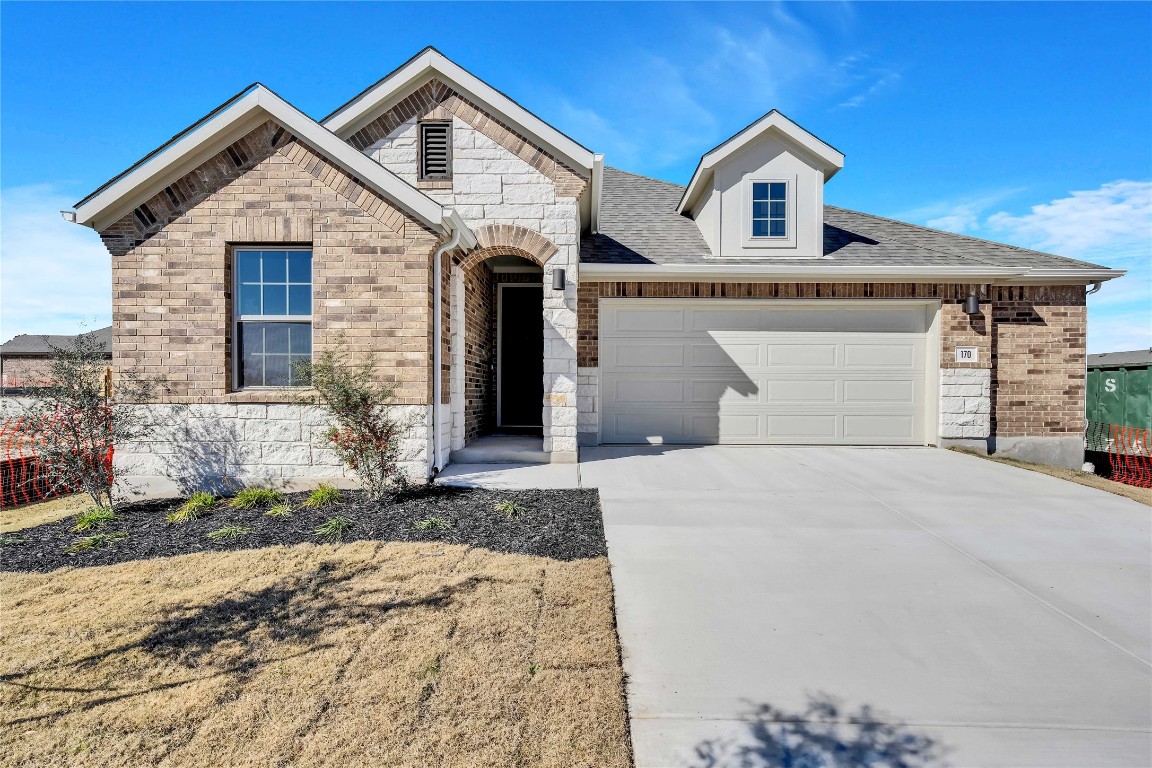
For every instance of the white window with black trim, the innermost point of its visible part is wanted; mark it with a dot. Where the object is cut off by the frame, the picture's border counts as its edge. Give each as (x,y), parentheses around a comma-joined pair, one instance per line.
(273,315)
(435,159)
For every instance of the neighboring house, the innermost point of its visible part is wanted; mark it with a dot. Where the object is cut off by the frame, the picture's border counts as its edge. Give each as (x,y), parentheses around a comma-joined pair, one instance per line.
(506,280)
(26,360)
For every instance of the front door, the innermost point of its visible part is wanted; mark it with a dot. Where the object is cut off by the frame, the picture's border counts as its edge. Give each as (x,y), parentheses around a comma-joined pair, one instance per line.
(519,356)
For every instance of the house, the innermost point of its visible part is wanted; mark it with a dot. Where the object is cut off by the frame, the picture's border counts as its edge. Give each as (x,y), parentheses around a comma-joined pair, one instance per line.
(507,280)
(26,359)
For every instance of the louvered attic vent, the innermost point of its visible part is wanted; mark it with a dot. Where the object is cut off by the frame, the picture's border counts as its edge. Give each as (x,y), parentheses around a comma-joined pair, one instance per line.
(435,151)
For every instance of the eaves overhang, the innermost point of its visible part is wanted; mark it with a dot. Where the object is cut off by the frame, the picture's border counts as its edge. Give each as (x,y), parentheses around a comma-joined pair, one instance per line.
(222,127)
(824,273)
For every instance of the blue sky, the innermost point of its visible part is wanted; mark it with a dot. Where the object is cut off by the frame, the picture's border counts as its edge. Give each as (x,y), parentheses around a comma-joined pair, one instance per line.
(1026,123)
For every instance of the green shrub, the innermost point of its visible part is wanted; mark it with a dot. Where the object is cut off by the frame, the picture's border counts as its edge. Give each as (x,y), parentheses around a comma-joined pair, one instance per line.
(228,533)
(255,497)
(96,541)
(333,528)
(197,504)
(511,509)
(433,524)
(280,510)
(366,434)
(92,518)
(323,496)
(7,541)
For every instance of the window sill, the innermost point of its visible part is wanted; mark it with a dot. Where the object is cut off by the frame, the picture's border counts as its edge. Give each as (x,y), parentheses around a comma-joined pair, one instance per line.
(271,395)
(434,184)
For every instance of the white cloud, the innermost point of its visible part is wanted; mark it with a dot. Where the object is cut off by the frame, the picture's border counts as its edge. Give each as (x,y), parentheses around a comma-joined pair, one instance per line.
(1110,225)
(1116,213)
(666,110)
(54,276)
(883,82)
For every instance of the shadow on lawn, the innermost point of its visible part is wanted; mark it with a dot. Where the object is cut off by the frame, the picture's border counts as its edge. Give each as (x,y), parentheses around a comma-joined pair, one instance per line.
(824,735)
(237,635)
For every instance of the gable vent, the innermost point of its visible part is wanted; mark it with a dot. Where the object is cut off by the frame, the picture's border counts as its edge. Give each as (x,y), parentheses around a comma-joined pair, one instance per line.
(237,155)
(435,150)
(145,216)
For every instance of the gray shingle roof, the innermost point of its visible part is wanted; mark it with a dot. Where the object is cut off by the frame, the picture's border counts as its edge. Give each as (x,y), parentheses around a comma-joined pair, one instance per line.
(39,344)
(1135,358)
(639,225)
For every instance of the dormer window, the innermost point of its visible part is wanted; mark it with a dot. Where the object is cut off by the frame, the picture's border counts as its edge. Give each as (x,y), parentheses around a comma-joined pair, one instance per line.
(769,209)
(435,151)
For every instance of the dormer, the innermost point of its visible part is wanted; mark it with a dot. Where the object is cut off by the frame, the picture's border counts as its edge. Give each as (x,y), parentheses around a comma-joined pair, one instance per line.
(760,194)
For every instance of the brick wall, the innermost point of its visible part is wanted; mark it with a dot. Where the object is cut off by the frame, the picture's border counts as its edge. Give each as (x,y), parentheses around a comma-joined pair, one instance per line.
(172,280)
(25,371)
(1038,356)
(479,352)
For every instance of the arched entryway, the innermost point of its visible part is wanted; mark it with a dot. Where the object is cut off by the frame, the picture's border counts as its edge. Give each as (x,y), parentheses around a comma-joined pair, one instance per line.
(499,348)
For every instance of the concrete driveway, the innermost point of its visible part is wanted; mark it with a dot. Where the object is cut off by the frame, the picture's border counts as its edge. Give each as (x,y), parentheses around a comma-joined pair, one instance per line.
(886,606)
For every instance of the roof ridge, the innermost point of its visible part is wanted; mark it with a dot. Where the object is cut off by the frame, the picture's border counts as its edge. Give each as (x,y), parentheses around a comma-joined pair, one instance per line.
(959,235)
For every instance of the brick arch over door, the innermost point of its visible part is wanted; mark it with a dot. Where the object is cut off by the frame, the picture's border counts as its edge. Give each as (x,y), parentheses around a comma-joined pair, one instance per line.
(478,303)
(509,240)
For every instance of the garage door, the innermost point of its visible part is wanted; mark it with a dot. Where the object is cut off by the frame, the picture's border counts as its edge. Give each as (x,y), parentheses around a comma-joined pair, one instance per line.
(733,371)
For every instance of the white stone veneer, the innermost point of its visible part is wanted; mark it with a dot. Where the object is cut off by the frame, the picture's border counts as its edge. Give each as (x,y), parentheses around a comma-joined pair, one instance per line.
(588,405)
(227,446)
(490,185)
(965,403)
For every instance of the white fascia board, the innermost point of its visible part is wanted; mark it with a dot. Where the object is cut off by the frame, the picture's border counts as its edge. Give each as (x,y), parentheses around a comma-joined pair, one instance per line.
(832,158)
(261,104)
(431,63)
(774,273)
(454,223)
(597,191)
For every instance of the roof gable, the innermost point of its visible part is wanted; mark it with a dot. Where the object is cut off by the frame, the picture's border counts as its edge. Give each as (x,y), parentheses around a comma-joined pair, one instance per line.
(430,65)
(826,157)
(225,125)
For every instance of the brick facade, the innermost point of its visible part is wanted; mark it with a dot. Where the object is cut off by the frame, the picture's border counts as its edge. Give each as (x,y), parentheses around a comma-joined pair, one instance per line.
(172,280)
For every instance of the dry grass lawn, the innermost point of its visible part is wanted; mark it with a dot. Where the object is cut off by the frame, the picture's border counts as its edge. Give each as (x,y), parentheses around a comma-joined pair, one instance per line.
(41,512)
(1142,495)
(373,654)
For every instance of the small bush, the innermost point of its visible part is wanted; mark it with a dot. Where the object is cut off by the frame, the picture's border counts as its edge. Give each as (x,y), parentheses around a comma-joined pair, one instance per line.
(7,541)
(250,498)
(92,518)
(366,434)
(323,496)
(96,541)
(332,529)
(279,510)
(511,509)
(433,524)
(228,533)
(198,504)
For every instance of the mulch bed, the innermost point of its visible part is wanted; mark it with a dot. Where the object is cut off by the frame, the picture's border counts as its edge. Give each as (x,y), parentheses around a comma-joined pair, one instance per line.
(560,524)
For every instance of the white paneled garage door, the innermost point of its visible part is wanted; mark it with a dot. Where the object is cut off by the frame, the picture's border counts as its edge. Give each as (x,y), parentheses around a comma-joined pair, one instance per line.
(754,371)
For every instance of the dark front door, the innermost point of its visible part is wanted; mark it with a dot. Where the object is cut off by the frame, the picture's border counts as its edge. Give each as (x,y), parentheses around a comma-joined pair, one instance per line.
(520,371)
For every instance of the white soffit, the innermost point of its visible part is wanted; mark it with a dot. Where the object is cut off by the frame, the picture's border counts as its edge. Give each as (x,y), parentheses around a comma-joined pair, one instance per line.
(225,125)
(829,159)
(429,64)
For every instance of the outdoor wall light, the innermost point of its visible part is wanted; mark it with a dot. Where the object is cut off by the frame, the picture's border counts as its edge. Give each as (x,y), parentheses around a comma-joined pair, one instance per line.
(972,304)
(557,279)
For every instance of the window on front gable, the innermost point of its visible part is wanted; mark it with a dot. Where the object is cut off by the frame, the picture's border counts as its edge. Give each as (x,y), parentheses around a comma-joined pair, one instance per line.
(273,315)
(435,151)
(769,209)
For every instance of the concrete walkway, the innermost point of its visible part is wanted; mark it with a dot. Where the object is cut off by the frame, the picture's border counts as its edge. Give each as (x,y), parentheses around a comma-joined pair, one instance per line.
(974,614)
